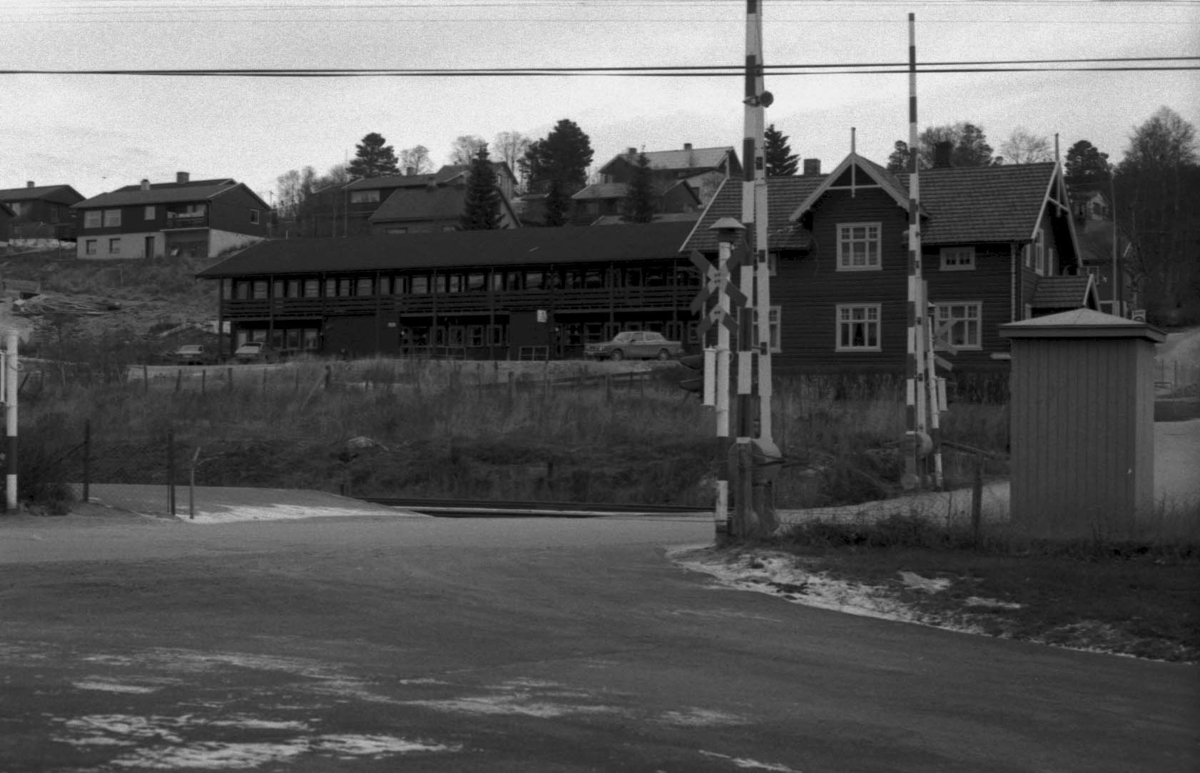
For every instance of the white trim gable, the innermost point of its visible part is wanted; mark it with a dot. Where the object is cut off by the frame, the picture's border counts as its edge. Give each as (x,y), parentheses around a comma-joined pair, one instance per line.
(899,195)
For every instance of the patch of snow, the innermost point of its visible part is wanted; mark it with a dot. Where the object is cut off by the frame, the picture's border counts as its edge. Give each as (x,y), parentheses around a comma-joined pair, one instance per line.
(376,745)
(976,601)
(213,755)
(927,584)
(107,686)
(749,764)
(694,717)
(291,513)
(518,705)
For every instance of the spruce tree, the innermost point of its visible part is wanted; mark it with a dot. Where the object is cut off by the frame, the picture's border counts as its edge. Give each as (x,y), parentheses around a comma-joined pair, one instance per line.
(781,162)
(373,157)
(639,199)
(481,210)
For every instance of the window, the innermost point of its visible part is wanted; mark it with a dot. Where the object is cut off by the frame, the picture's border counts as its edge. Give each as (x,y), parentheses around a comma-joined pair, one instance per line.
(312,288)
(91,218)
(90,247)
(957,325)
(254,217)
(858,327)
(958,259)
(858,246)
(475,281)
(1039,250)
(454,283)
(364,197)
(1051,260)
(345,287)
(534,280)
(293,288)
(241,290)
(365,286)
(420,284)
(772,263)
(112,218)
(150,213)
(260,289)
(114,246)
(330,288)
(773,329)
(397,230)
(278,289)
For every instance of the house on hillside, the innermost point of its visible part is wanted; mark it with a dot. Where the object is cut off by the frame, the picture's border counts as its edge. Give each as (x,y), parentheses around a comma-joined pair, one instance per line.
(185,218)
(41,211)
(703,169)
(998,245)
(1104,250)
(500,294)
(352,209)
(607,200)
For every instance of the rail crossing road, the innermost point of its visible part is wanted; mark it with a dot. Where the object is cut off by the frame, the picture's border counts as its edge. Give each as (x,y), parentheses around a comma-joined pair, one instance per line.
(523,644)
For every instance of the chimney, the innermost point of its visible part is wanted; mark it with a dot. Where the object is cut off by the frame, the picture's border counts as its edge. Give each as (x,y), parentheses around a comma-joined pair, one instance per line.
(182,177)
(941,154)
(409,171)
(631,151)
(29,183)
(812,167)
(687,146)
(145,184)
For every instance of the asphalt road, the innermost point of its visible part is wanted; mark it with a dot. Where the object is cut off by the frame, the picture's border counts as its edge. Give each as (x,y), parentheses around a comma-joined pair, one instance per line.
(514,645)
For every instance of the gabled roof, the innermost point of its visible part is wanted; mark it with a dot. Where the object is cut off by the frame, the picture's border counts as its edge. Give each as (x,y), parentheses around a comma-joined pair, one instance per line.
(161,193)
(64,194)
(443,176)
(784,194)
(846,174)
(684,159)
(410,204)
(519,246)
(1081,323)
(7,209)
(1065,292)
(983,204)
(603,191)
(665,217)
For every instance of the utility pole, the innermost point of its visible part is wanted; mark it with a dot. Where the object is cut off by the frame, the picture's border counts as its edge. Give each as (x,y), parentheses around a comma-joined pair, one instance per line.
(760,463)
(917,391)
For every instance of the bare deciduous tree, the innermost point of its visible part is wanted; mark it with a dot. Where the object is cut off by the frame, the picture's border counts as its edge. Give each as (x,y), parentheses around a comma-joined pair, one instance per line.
(1025,147)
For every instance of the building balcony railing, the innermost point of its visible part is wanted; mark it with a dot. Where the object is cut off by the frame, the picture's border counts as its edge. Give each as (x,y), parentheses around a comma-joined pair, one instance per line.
(459,303)
(185,221)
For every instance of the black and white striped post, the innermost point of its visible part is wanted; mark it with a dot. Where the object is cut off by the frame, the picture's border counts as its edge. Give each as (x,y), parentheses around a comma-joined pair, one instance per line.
(11,387)
(917,391)
(729,231)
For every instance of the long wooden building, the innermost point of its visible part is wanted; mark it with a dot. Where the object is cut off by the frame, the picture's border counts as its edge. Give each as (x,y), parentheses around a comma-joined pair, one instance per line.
(505,294)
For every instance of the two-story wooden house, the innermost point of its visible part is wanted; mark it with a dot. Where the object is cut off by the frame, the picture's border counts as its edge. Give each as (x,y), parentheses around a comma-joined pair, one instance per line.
(41,211)
(411,203)
(499,294)
(185,218)
(607,201)
(703,169)
(998,245)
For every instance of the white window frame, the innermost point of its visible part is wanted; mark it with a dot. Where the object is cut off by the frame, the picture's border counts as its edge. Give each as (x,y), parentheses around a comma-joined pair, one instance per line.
(93,218)
(971,316)
(1039,251)
(150,212)
(868,320)
(112,218)
(364,197)
(958,258)
(871,237)
(89,247)
(114,246)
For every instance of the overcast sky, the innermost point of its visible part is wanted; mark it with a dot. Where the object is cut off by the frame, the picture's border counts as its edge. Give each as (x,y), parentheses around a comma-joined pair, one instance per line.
(100,132)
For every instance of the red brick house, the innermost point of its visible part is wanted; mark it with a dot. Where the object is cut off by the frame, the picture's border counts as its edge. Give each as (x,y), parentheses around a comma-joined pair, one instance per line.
(41,211)
(998,245)
(185,218)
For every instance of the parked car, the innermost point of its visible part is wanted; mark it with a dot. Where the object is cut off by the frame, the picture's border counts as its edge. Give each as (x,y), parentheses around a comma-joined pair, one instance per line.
(193,354)
(256,351)
(635,345)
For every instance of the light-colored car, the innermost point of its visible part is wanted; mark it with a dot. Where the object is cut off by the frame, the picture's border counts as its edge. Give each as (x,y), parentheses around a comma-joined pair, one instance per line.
(193,354)
(635,345)
(256,351)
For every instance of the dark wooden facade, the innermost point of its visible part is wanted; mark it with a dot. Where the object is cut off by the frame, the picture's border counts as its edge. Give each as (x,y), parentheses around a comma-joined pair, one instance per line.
(533,293)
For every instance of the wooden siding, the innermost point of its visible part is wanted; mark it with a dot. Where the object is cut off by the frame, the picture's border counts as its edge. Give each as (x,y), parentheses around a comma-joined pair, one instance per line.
(230,211)
(1082,435)
(988,284)
(809,289)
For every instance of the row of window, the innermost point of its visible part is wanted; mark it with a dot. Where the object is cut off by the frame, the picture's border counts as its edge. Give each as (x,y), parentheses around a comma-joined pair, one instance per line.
(859,248)
(461,282)
(91,245)
(958,325)
(111,218)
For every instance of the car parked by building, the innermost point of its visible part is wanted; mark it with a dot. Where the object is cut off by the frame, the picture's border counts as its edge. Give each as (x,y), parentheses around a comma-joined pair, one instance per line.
(193,354)
(635,345)
(255,352)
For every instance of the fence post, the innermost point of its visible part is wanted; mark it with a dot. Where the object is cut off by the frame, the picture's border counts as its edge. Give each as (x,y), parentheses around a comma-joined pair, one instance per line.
(977,499)
(171,471)
(87,460)
(11,390)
